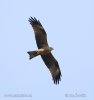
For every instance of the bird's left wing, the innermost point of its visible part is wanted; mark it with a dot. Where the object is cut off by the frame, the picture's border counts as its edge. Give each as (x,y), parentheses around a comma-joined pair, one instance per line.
(40,34)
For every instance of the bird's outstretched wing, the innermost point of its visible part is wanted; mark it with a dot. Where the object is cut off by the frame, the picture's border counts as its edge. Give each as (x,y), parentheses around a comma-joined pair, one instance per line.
(53,66)
(40,34)
(41,40)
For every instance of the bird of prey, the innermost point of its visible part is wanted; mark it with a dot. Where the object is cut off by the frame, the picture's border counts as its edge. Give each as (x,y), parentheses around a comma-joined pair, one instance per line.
(44,50)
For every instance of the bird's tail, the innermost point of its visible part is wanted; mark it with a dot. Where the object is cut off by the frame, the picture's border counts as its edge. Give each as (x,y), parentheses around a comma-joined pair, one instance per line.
(32,54)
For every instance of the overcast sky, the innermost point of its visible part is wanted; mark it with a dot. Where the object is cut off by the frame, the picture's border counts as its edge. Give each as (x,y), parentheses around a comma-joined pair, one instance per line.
(70,31)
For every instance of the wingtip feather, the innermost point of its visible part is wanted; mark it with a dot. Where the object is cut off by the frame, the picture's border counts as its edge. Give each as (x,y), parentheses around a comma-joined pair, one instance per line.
(57,79)
(34,21)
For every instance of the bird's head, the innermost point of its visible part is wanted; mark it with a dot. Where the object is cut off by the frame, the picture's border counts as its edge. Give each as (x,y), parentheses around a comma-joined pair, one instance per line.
(51,48)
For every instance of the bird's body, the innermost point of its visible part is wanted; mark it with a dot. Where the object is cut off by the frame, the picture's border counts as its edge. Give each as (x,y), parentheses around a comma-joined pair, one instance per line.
(44,50)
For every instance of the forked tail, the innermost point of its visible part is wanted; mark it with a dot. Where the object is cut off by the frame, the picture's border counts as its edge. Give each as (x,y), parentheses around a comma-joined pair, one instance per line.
(32,54)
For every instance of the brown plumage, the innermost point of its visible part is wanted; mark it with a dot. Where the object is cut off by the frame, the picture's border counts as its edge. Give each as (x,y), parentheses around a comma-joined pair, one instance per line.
(44,50)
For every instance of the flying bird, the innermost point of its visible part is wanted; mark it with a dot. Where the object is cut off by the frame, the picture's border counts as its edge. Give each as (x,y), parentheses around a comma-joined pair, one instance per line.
(44,50)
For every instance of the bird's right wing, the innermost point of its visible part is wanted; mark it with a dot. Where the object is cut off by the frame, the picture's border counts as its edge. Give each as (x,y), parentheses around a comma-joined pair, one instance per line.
(53,66)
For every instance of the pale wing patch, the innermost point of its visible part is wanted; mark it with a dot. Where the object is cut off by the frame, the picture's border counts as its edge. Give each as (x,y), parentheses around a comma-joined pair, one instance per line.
(54,70)
(40,27)
(37,28)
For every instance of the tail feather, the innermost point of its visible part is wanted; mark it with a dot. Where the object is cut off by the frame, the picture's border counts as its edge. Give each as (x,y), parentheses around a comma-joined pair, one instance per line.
(32,54)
